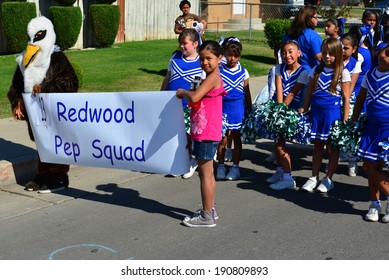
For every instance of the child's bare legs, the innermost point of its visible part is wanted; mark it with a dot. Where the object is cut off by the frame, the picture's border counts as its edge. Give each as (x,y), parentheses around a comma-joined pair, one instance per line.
(207,184)
(333,159)
(378,181)
(317,157)
(236,137)
(221,156)
(282,156)
(221,150)
(284,167)
(234,173)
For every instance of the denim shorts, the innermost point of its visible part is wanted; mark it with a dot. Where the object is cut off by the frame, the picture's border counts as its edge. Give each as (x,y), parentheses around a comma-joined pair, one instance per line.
(204,150)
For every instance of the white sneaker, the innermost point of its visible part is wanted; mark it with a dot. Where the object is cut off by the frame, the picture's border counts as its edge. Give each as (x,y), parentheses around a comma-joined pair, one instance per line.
(373,214)
(283,185)
(275,177)
(270,158)
(221,172)
(352,169)
(228,154)
(192,169)
(234,173)
(309,185)
(325,185)
(385,218)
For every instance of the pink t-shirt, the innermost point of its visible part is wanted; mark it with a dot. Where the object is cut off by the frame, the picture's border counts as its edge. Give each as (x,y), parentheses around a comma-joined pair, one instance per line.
(206,116)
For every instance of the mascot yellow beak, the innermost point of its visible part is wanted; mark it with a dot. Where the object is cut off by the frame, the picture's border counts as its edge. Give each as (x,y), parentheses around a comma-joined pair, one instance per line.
(29,54)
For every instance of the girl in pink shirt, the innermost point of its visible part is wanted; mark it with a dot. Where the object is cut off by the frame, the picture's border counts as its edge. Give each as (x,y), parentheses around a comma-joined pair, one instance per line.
(206,129)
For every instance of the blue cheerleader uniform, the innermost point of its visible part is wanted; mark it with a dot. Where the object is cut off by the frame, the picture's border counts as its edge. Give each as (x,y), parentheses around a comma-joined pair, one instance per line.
(325,105)
(234,101)
(377,110)
(289,80)
(183,72)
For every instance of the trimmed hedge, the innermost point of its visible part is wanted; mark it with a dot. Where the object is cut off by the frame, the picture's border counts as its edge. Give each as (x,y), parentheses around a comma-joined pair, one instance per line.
(275,30)
(15,17)
(67,23)
(105,23)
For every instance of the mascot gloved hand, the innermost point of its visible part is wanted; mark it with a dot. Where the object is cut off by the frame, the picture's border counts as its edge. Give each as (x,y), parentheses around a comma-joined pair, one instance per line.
(42,67)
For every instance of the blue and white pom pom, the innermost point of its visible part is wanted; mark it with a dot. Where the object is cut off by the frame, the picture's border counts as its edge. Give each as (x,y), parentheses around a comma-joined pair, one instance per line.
(251,125)
(303,132)
(385,152)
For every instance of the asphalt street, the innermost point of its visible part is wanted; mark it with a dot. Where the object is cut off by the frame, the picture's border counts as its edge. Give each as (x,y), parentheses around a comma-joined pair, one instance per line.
(109,214)
(118,214)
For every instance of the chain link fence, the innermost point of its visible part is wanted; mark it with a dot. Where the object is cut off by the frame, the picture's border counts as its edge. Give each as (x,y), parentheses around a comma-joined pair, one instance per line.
(242,16)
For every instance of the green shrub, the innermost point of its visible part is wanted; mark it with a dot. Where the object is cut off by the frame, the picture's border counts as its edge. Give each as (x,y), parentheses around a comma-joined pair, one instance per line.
(79,72)
(67,23)
(275,30)
(15,17)
(105,23)
(66,3)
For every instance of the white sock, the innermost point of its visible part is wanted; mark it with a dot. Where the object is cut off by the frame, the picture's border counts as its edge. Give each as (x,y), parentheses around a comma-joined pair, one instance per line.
(313,178)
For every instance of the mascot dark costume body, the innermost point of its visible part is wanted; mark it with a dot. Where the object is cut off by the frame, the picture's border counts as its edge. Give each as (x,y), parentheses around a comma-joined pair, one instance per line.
(42,68)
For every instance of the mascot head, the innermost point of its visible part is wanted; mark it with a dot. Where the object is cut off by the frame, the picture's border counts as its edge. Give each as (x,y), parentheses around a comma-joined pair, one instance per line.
(35,60)
(42,39)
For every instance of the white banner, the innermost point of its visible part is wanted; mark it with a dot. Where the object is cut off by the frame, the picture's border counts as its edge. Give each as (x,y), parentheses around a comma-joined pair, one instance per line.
(140,131)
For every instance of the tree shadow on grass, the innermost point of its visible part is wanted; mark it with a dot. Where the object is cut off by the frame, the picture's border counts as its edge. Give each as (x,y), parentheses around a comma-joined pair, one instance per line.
(260,58)
(154,72)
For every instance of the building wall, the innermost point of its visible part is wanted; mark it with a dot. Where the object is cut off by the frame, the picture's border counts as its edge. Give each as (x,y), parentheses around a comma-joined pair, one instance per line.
(152,19)
(220,11)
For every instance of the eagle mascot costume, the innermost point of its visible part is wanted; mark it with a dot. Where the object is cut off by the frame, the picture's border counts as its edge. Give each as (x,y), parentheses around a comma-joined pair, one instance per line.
(42,67)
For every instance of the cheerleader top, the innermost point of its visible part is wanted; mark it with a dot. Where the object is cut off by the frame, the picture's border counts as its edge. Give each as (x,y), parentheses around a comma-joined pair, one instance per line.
(233,81)
(325,78)
(289,80)
(365,58)
(377,97)
(183,71)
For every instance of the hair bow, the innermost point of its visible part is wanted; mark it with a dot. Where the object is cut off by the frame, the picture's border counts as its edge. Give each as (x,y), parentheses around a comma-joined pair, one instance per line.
(341,22)
(221,40)
(233,39)
(366,32)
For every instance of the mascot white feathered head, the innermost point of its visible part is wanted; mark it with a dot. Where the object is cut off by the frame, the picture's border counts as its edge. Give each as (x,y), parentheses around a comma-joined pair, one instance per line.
(35,60)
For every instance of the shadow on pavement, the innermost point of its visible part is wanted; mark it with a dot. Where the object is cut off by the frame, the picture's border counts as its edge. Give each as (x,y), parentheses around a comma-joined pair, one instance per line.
(338,200)
(115,195)
(18,159)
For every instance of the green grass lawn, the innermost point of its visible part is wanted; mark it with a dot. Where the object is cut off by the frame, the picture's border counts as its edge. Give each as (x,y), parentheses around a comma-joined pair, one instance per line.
(138,66)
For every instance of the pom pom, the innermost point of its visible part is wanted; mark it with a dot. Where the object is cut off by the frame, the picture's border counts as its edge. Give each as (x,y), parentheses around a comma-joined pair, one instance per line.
(224,124)
(251,125)
(187,118)
(303,131)
(345,136)
(281,120)
(385,152)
